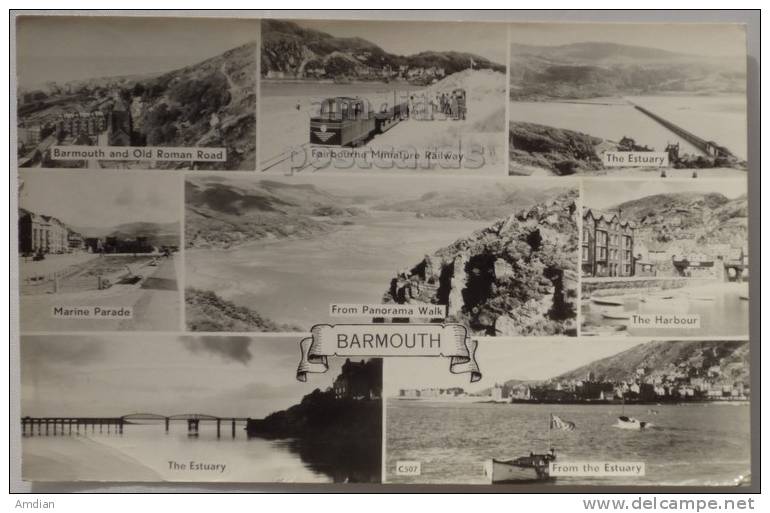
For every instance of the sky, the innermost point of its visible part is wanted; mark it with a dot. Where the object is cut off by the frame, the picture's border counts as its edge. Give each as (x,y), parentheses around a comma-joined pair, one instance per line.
(103,199)
(598,194)
(693,38)
(165,374)
(407,38)
(501,360)
(63,48)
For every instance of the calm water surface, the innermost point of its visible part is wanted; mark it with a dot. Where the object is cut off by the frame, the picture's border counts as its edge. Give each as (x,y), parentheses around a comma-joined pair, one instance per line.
(696,444)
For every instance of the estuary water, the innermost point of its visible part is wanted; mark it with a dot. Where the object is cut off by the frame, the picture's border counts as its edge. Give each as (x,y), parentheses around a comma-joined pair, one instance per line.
(693,444)
(144,452)
(294,281)
(721,309)
(718,118)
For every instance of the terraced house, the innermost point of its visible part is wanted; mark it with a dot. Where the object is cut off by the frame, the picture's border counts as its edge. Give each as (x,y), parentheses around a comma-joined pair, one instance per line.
(607,245)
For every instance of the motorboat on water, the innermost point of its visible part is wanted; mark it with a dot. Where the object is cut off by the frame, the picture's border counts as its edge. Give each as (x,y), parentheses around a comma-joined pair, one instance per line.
(633,423)
(525,469)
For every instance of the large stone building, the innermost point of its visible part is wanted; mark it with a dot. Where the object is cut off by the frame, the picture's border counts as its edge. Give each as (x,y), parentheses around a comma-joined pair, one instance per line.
(359,380)
(74,124)
(607,245)
(42,234)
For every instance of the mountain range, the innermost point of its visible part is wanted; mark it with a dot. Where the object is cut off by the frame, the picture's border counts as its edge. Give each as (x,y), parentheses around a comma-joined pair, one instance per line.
(157,233)
(291,49)
(597,69)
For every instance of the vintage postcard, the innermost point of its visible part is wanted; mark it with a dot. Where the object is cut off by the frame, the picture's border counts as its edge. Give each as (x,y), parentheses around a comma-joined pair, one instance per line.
(382,96)
(195,408)
(665,258)
(498,256)
(99,252)
(628,99)
(555,412)
(143,93)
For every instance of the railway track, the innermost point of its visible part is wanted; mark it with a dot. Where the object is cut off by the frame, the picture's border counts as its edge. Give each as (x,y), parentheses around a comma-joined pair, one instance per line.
(283,157)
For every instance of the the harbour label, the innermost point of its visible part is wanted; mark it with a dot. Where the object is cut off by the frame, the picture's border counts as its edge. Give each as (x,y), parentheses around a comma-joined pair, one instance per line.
(389,311)
(157,153)
(380,340)
(408,468)
(92,312)
(597,469)
(635,158)
(667,320)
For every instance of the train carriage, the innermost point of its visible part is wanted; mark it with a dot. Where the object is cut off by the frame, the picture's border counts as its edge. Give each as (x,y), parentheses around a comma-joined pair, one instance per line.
(345,121)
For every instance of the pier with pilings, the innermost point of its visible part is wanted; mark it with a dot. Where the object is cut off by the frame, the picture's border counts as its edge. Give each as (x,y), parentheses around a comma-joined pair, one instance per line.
(710,148)
(68,426)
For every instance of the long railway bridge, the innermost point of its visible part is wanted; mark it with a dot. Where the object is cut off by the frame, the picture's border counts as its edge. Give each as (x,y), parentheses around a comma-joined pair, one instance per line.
(55,426)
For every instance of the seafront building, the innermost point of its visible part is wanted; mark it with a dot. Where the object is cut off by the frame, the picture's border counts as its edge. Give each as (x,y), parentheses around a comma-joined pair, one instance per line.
(608,245)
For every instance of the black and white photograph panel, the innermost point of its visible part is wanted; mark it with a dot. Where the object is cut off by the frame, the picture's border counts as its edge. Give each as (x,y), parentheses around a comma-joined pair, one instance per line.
(136,92)
(596,412)
(99,252)
(628,99)
(499,256)
(665,258)
(383,96)
(195,408)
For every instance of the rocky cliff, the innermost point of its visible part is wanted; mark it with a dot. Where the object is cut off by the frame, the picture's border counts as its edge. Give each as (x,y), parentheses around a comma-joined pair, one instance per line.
(562,151)
(516,277)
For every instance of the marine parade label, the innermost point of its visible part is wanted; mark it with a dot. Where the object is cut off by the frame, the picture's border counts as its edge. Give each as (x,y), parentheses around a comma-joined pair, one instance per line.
(92,312)
(635,158)
(157,153)
(597,469)
(672,320)
(388,311)
(385,340)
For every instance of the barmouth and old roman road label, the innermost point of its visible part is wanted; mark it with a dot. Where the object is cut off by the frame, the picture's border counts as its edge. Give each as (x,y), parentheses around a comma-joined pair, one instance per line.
(143,153)
(386,340)
(635,159)
(388,311)
(597,469)
(92,312)
(669,320)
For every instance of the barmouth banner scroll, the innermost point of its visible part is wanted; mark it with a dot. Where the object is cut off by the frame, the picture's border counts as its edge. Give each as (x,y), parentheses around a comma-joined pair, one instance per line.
(427,340)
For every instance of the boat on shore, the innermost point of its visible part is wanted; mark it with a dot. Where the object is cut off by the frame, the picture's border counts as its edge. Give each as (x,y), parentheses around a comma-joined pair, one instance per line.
(607,301)
(525,469)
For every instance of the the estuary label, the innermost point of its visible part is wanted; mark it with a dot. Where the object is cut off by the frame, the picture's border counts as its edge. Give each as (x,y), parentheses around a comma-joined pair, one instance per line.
(597,469)
(635,159)
(667,320)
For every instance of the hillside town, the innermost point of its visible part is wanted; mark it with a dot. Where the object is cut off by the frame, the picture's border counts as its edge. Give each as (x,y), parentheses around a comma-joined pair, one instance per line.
(612,247)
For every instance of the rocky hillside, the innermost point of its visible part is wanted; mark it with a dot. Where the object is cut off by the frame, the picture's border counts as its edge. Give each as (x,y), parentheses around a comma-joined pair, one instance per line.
(694,358)
(296,51)
(176,108)
(516,277)
(206,311)
(691,218)
(561,151)
(590,70)
(222,213)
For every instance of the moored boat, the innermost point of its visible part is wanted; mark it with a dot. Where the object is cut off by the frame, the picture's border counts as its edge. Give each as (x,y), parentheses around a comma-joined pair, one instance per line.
(631,423)
(532,468)
(617,316)
(606,301)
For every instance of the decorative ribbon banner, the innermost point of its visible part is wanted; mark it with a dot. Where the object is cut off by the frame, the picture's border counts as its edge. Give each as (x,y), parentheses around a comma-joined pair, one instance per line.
(382,340)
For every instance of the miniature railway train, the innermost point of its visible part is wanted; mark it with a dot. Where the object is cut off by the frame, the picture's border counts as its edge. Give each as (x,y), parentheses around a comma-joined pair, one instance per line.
(345,121)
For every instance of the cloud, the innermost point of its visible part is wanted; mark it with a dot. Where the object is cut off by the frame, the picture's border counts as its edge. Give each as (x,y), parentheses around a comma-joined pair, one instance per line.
(228,348)
(71,350)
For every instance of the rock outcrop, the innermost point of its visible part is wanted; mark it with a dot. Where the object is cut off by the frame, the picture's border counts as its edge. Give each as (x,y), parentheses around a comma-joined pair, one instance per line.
(516,277)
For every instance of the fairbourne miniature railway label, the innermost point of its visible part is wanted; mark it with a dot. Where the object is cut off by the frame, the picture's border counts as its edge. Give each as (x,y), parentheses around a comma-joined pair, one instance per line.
(92,312)
(388,311)
(673,321)
(139,153)
(449,341)
(597,469)
(635,159)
